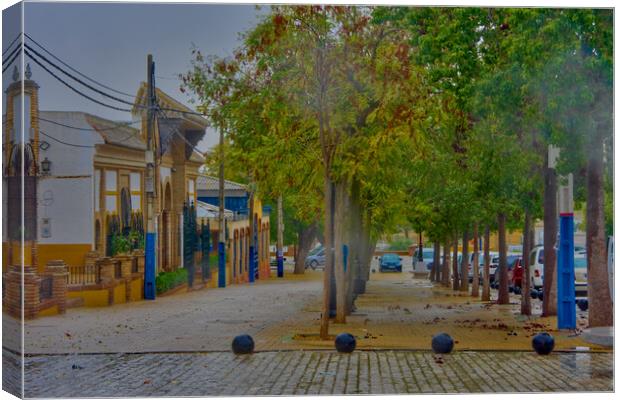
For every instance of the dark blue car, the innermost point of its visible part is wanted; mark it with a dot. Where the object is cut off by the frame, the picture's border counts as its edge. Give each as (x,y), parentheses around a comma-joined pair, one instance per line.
(390,262)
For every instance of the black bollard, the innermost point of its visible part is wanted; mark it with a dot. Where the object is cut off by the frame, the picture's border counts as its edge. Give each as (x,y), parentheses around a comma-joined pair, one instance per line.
(517,289)
(243,344)
(582,304)
(540,294)
(543,343)
(511,289)
(345,343)
(442,343)
(534,293)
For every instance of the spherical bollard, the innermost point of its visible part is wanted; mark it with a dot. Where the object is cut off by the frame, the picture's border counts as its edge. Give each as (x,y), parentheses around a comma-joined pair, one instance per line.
(511,289)
(582,304)
(345,343)
(243,344)
(534,293)
(517,289)
(442,343)
(543,343)
(540,295)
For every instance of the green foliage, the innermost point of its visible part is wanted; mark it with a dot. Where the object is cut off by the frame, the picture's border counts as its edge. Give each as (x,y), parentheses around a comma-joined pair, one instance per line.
(165,281)
(400,243)
(120,245)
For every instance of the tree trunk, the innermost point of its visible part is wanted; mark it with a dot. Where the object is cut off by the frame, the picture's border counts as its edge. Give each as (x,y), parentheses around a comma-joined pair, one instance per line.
(599,297)
(445,273)
(475,284)
(486,279)
(503,297)
(455,263)
(436,261)
(329,259)
(526,304)
(341,231)
(550,303)
(465,262)
(306,237)
(355,245)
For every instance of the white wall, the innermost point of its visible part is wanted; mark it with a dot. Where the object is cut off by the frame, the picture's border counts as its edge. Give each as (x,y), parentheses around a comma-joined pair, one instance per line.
(68,160)
(68,203)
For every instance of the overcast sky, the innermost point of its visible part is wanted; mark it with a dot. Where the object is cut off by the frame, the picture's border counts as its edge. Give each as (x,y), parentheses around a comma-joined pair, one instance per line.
(110,42)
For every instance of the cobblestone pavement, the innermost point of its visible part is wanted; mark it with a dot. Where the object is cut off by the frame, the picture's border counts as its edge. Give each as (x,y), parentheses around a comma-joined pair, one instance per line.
(313,372)
(396,312)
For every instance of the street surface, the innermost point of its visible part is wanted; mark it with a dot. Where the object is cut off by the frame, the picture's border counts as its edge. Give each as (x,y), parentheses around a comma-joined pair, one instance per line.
(180,345)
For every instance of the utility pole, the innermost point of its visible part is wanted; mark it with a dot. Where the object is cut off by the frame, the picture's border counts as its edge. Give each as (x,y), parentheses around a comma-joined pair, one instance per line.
(151,234)
(280,243)
(221,246)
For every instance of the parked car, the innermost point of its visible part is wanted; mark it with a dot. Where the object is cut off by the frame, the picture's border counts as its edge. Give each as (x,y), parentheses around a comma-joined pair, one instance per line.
(391,262)
(316,258)
(581,276)
(495,264)
(427,256)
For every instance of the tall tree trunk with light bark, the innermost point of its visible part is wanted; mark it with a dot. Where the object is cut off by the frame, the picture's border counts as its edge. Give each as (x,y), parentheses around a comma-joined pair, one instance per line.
(455,263)
(503,296)
(306,238)
(486,279)
(465,262)
(328,273)
(599,296)
(436,261)
(341,239)
(445,272)
(475,283)
(550,303)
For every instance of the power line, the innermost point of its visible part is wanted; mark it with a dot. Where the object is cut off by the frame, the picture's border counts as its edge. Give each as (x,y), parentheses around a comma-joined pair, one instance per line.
(75,70)
(119,125)
(10,62)
(74,89)
(11,44)
(10,55)
(78,80)
(82,145)
(65,143)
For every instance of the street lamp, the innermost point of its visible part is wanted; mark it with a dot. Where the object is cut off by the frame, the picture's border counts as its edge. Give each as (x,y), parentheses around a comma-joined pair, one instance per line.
(46,166)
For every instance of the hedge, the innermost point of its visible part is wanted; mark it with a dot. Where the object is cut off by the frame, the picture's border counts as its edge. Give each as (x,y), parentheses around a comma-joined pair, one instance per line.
(169,280)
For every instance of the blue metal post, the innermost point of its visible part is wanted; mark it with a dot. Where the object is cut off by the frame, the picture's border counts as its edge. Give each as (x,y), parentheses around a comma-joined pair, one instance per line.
(345,256)
(221,264)
(252,266)
(280,260)
(149,266)
(566,274)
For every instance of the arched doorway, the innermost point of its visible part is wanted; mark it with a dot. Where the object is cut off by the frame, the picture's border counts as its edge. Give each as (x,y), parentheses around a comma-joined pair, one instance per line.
(98,247)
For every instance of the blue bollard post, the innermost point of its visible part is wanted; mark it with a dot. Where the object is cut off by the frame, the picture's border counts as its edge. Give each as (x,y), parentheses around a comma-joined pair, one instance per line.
(252,266)
(345,256)
(221,265)
(149,266)
(280,260)
(567,315)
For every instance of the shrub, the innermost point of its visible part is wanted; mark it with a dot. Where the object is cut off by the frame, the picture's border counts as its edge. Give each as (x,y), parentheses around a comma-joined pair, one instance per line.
(169,280)
(120,245)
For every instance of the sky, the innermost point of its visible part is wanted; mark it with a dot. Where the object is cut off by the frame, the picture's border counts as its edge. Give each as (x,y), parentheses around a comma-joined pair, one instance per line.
(110,42)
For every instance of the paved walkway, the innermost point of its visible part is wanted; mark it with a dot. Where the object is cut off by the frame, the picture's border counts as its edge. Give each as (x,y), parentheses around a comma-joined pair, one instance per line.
(396,312)
(313,372)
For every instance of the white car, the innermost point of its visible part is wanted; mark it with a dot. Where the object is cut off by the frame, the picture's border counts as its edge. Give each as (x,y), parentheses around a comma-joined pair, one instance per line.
(537,266)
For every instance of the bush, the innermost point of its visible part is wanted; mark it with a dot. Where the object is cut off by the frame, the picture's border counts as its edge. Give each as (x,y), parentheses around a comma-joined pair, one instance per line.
(120,245)
(169,280)
(400,244)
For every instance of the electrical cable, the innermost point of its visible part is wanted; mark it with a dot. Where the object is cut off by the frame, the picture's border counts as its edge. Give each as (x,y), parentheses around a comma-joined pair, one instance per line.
(10,55)
(78,80)
(82,145)
(109,128)
(75,70)
(11,44)
(74,89)
(10,62)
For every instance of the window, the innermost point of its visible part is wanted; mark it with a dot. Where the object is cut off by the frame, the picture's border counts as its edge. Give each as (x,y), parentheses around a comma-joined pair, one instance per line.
(110,191)
(97,190)
(136,191)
